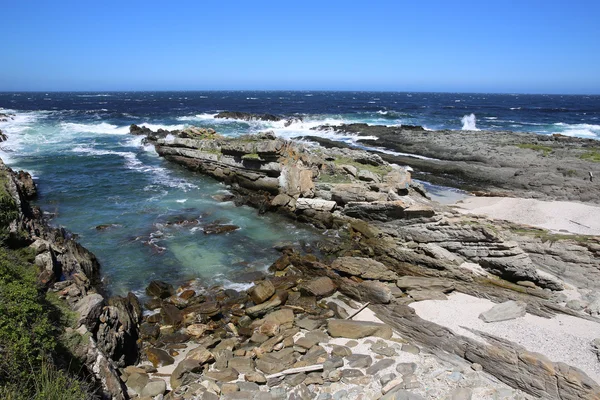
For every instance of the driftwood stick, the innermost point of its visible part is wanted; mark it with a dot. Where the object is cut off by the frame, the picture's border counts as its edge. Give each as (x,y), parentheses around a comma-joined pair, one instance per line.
(310,368)
(585,226)
(359,310)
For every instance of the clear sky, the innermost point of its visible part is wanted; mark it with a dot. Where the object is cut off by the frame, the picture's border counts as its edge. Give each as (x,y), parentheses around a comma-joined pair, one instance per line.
(525,46)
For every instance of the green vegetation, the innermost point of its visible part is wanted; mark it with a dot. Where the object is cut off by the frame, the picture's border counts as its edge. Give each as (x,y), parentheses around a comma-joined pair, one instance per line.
(334,178)
(377,169)
(537,147)
(251,156)
(547,236)
(34,362)
(592,155)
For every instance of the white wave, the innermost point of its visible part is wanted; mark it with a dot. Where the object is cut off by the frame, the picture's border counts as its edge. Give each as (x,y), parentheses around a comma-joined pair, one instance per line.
(251,98)
(101,128)
(515,108)
(469,123)
(198,117)
(491,118)
(579,130)
(181,200)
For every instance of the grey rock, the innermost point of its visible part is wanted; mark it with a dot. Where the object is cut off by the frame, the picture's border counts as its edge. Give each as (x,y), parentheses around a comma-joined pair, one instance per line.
(409,348)
(387,378)
(406,368)
(359,360)
(154,388)
(379,366)
(137,382)
(504,311)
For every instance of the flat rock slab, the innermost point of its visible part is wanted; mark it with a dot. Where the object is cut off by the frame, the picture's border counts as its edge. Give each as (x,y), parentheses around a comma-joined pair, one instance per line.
(357,329)
(504,311)
(366,268)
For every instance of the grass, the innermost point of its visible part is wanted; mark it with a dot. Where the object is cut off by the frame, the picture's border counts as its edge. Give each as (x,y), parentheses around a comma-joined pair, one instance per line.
(377,169)
(251,156)
(592,155)
(546,236)
(537,147)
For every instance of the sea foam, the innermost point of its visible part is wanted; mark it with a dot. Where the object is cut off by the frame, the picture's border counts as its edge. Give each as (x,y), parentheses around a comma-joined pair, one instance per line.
(469,123)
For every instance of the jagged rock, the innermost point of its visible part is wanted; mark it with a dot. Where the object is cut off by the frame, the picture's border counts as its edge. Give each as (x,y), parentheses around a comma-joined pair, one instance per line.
(319,287)
(504,311)
(357,329)
(26,184)
(160,289)
(244,116)
(261,292)
(89,309)
(159,357)
(184,367)
(366,268)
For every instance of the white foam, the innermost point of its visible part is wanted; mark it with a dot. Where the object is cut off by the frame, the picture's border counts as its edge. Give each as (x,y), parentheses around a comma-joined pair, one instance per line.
(101,128)
(94,95)
(469,123)
(579,130)
(199,117)
(181,200)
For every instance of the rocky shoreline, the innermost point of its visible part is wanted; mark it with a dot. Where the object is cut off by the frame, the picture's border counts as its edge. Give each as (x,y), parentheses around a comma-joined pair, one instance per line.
(338,325)
(512,164)
(395,247)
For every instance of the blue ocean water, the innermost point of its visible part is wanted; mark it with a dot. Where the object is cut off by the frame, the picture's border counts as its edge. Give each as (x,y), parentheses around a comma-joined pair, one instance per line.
(90,172)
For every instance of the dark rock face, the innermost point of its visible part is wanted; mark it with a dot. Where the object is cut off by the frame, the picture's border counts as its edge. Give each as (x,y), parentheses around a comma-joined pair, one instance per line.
(160,289)
(3,136)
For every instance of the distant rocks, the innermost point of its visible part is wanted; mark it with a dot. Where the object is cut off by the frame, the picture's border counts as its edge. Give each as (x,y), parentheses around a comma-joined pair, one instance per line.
(5,117)
(244,116)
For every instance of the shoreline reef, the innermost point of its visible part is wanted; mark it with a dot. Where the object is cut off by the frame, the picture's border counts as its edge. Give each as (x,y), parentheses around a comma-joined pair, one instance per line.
(352,322)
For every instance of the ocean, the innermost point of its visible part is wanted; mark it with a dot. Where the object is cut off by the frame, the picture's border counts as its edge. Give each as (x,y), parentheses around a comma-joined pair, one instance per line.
(90,172)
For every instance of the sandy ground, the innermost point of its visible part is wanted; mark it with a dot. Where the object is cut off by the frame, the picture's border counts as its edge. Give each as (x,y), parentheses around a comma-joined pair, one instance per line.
(562,338)
(552,215)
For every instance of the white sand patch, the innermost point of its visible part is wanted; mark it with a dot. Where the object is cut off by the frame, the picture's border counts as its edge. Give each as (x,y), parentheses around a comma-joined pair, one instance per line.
(562,338)
(552,215)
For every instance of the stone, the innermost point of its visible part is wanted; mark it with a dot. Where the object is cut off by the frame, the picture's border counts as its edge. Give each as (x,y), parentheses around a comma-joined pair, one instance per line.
(423,283)
(269,328)
(160,289)
(200,354)
(255,377)
(379,366)
(351,373)
(137,382)
(319,287)
(375,292)
(261,292)
(248,386)
(387,378)
(280,317)
(359,360)
(368,176)
(154,388)
(149,331)
(409,348)
(196,329)
(340,351)
(159,357)
(333,363)
(406,368)
(383,349)
(243,365)
(224,375)
(295,379)
(366,268)
(315,204)
(420,295)
(184,367)
(171,315)
(227,388)
(504,311)
(410,382)
(89,309)
(357,329)
(309,324)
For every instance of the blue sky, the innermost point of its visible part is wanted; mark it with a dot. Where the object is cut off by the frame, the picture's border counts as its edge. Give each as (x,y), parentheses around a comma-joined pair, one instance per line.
(524,46)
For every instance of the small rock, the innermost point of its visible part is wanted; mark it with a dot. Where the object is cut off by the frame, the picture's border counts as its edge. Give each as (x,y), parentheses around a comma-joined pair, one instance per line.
(229,388)
(359,360)
(255,377)
(387,378)
(379,366)
(409,348)
(319,287)
(340,351)
(262,292)
(504,311)
(406,368)
(476,367)
(159,357)
(154,388)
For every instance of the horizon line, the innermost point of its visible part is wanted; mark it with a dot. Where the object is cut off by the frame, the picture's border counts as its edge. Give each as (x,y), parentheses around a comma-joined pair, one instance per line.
(296,90)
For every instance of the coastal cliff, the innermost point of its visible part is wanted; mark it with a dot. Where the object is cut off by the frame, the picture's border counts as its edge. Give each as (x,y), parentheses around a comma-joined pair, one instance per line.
(98,333)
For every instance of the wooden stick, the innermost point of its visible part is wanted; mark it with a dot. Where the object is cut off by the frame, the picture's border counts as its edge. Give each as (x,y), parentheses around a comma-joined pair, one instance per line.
(359,310)
(310,368)
(585,226)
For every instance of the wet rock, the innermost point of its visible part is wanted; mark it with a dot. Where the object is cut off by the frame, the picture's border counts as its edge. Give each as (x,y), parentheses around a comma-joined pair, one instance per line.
(160,289)
(357,329)
(218,229)
(261,292)
(504,311)
(319,287)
